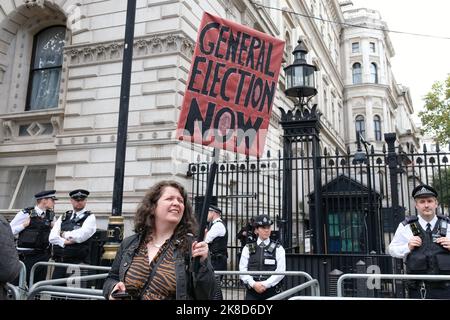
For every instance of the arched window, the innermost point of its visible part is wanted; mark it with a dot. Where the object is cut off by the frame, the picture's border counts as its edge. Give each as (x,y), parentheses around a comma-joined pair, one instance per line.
(377,127)
(45,71)
(360,125)
(356,71)
(373,73)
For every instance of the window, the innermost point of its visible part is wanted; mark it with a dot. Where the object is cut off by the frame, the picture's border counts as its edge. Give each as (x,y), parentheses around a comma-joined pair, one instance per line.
(355,47)
(373,73)
(360,125)
(19,184)
(372,47)
(377,127)
(45,71)
(356,71)
(346,232)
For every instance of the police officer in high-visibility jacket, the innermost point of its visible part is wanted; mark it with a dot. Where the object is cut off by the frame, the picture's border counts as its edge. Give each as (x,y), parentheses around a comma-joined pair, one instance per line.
(423,242)
(262,255)
(71,234)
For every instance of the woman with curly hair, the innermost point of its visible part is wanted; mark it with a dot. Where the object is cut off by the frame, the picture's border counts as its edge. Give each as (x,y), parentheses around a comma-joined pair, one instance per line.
(155,262)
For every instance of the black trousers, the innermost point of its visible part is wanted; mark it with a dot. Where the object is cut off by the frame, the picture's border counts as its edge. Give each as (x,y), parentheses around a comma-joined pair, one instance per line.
(29,258)
(219,262)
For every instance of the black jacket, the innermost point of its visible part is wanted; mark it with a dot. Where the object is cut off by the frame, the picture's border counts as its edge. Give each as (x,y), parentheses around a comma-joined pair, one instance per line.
(203,283)
(9,259)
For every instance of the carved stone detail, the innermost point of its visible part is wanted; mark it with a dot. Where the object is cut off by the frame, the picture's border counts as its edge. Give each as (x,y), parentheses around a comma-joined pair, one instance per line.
(159,44)
(9,127)
(56,123)
(34,3)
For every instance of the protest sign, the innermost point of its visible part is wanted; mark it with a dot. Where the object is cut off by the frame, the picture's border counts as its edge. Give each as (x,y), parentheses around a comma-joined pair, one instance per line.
(231,87)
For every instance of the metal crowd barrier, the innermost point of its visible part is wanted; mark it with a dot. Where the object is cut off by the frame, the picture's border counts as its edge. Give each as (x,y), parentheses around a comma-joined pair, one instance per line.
(236,291)
(67,265)
(19,292)
(380,276)
(13,291)
(239,289)
(315,289)
(43,287)
(48,286)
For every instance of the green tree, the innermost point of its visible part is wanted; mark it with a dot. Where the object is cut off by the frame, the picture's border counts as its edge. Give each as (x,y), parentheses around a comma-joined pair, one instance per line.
(441,182)
(436,116)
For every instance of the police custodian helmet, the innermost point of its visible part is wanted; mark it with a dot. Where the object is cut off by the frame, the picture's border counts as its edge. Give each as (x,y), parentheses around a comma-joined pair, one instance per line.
(263,220)
(423,190)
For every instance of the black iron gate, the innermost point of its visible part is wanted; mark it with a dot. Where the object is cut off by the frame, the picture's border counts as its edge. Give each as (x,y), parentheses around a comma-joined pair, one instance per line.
(359,200)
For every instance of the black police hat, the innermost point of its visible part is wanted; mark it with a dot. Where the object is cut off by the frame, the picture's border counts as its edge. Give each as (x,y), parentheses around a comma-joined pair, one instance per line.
(79,194)
(263,220)
(46,194)
(423,190)
(215,209)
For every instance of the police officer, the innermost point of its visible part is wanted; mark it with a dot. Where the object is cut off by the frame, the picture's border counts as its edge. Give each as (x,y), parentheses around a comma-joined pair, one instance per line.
(423,242)
(33,225)
(217,238)
(71,234)
(262,255)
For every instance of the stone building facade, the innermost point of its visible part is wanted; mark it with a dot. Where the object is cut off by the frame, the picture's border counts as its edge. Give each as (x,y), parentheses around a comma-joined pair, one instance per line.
(60,75)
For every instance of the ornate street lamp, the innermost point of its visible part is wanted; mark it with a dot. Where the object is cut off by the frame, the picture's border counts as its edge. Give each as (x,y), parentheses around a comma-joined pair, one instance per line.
(300,80)
(301,126)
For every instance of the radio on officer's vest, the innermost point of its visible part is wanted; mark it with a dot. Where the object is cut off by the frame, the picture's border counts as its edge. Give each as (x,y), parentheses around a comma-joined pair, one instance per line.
(415,230)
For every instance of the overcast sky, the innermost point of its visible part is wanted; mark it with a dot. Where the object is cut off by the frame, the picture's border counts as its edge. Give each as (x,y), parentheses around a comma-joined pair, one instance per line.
(418,61)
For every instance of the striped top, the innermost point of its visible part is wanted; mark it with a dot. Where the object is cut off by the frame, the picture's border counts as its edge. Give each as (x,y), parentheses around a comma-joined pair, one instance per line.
(163,285)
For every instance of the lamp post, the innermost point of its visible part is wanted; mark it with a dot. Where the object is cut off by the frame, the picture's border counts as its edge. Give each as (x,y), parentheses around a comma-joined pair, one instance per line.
(304,125)
(115,224)
(361,157)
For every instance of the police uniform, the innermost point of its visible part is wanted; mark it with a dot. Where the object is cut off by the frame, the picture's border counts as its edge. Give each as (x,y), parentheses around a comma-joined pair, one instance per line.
(32,243)
(429,258)
(77,227)
(262,255)
(217,238)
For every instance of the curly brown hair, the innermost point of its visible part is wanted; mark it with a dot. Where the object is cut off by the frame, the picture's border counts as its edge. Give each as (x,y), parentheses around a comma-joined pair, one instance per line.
(144,219)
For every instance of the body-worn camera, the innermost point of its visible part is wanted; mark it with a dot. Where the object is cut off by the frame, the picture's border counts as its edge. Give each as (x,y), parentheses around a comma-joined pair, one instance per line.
(33,214)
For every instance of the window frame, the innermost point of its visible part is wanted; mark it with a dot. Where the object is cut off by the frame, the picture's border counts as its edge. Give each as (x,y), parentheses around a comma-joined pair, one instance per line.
(32,70)
(377,127)
(373,72)
(354,74)
(24,173)
(358,120)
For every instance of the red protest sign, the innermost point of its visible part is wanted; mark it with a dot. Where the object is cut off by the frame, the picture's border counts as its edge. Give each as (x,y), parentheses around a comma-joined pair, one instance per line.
(231,87)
